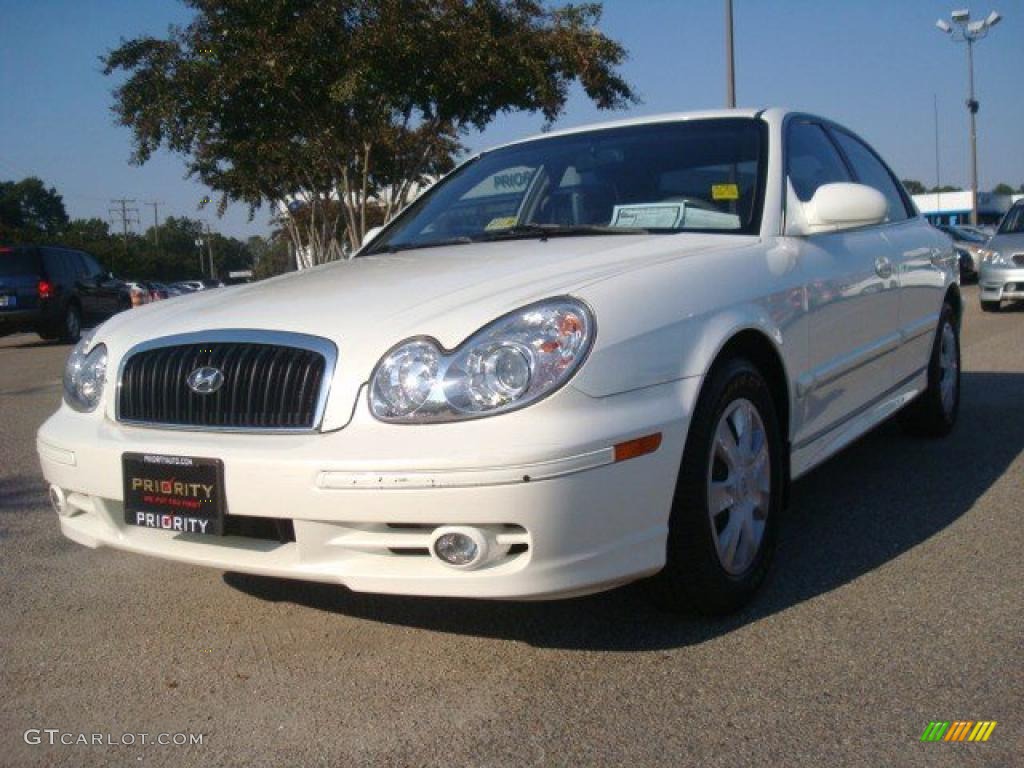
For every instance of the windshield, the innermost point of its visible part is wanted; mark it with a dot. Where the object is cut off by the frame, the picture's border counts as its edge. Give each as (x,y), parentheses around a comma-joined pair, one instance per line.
(703,175)
(1013,221)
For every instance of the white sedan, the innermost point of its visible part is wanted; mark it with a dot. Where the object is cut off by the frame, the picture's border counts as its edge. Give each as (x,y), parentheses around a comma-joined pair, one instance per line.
(578,360)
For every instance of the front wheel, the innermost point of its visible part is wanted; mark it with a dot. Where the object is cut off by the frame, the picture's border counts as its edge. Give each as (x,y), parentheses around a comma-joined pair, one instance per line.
(934,412)
(728,499)
(989,306)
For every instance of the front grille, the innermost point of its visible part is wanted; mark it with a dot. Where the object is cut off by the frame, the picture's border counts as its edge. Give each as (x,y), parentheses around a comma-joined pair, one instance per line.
(265,386)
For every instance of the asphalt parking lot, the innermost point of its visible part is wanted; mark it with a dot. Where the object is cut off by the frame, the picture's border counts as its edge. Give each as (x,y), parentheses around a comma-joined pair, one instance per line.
(897,599)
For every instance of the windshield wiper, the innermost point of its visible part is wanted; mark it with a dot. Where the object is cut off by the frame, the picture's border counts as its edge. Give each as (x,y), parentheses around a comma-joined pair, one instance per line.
(544,231)
(463,240)
(519,232)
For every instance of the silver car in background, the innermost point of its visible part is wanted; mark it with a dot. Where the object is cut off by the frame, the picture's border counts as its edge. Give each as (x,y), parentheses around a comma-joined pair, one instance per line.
(969,246)
(1002,267)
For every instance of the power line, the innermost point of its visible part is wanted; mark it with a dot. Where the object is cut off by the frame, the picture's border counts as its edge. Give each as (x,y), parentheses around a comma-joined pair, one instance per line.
(124,212)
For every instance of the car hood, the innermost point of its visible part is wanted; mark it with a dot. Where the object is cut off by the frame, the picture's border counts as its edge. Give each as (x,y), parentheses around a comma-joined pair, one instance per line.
(1009,243)
(368,304)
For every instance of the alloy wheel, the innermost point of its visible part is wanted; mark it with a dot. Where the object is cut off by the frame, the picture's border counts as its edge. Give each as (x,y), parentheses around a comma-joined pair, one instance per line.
(739,486)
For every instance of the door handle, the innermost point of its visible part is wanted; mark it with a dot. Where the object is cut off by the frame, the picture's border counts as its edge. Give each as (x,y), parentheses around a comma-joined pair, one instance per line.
(883,267)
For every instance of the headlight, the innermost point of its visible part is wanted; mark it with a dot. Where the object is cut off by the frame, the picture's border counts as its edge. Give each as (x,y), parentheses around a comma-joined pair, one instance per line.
(516,360)
(85,374)
(994,258)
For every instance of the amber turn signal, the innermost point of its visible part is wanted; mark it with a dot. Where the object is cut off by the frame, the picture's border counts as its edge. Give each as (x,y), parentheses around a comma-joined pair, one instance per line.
(639,447)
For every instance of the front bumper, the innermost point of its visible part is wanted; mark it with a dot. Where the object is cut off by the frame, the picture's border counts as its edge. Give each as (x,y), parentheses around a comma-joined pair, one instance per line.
(999,282)
(364,500)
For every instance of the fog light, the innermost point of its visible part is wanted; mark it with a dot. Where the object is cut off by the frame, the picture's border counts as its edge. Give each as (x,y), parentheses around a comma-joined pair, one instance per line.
(58,500)
(459,547)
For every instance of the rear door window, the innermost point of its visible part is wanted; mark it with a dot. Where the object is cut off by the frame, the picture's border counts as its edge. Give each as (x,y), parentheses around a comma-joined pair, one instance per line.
(19,262)
(59,266)
(92,267)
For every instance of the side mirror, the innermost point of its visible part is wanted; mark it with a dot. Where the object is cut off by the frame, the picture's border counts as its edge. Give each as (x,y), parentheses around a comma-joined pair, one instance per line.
(371,233)
(840,206)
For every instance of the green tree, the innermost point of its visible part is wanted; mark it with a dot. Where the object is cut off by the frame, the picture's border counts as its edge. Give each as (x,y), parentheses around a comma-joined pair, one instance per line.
(913,186)
(946,188)
(94,236)
(349,101)
(30,211)
(1002,189)
(276,259)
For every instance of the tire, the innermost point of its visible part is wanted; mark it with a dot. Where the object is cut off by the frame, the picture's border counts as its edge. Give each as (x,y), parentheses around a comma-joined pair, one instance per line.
(699,574)
(71,324)
(933,413)
(990,306)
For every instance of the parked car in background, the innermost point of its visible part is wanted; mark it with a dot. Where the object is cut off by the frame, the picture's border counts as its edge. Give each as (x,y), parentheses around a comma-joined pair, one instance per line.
(211,284)
(173,289)
(1002,268)
(55,291)
(139,292)
(157,291)
(190,286)
(576,361)
(968,244)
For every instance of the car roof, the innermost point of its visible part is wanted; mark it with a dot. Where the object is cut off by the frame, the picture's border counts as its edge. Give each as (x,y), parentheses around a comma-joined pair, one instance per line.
(771,114)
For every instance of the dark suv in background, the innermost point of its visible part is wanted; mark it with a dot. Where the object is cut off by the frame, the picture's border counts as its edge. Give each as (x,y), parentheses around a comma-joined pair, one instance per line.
(56,291)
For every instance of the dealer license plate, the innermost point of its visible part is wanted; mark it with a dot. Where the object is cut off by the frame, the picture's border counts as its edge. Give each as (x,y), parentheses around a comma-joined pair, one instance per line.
(183,494)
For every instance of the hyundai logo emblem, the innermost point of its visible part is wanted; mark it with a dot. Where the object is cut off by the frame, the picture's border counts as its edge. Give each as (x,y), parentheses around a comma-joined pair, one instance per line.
(205,380)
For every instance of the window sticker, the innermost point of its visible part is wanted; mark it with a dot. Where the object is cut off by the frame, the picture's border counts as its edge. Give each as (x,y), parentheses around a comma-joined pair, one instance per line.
(725,192)
(502,222)
(648,215)
(510,181)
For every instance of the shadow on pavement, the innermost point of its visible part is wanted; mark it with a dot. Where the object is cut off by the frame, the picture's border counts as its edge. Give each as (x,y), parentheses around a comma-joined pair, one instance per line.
(19,493)
(875,501)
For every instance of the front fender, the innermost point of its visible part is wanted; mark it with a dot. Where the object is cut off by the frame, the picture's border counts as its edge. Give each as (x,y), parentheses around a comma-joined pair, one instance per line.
(680,349)
(670,321)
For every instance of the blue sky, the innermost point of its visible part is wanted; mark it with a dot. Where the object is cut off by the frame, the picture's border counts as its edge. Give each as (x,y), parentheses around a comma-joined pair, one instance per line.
(872,65)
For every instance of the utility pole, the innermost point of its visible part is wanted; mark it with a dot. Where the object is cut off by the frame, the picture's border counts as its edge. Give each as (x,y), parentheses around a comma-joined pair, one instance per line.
(730,62)
(156,221)
(938,175)
(199,245)
(209,249)
(963,30)
(124,212)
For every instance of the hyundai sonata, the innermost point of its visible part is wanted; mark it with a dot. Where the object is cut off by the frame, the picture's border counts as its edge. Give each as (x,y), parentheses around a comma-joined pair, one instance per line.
(578,360)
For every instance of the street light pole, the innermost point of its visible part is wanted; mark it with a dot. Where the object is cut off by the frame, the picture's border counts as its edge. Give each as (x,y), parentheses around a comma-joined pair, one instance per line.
(972,107)
(730,62)
(963,30)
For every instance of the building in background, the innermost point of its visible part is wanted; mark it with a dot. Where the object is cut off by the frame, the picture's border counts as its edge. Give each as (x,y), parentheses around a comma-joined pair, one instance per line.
(955,207)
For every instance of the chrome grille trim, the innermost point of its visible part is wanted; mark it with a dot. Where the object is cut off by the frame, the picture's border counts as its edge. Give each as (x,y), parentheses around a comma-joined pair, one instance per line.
(317,344)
